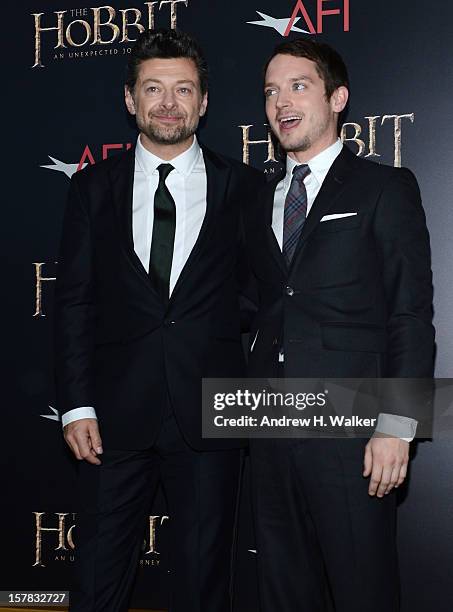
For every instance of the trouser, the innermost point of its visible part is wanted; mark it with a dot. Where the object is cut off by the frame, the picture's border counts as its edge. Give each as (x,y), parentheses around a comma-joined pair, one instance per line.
(319,531)
(200,489)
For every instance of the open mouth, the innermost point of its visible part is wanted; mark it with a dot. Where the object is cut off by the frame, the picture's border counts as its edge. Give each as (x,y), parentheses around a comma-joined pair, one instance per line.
(290,122)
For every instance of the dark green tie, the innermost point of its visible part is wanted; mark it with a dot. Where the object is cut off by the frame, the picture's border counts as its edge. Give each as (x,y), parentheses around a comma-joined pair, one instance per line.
(163,238)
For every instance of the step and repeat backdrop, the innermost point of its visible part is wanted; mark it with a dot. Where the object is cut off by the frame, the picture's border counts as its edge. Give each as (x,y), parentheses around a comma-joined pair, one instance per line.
(63,68)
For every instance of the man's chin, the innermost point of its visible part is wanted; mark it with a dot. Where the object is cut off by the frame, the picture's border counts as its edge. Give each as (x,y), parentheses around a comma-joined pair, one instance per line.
(169,136)
(295,145)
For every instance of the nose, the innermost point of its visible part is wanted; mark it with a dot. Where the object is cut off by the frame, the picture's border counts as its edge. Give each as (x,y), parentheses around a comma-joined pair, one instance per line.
(283,100)
(168,99)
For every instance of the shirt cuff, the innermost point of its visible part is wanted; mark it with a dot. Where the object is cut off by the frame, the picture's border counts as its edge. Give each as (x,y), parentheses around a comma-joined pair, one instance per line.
(84,412)
(397,426)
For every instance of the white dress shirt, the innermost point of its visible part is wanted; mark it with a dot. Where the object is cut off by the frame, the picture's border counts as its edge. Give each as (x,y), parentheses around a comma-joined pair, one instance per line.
(390,424)
(187,184)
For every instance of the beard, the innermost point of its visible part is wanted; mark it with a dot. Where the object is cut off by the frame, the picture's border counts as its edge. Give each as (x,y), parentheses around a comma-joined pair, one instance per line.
(167,135)
(301,146)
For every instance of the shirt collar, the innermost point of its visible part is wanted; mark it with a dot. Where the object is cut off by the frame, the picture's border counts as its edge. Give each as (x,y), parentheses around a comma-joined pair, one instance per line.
(319,164)
(183,163)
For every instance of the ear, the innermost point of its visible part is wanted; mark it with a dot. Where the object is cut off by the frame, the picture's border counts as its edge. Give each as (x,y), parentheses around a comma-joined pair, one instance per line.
(203,105)
(339,99)
(129,99)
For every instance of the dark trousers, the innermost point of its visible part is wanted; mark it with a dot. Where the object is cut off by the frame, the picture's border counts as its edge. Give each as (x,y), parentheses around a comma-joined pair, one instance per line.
(318,530)
(201,493)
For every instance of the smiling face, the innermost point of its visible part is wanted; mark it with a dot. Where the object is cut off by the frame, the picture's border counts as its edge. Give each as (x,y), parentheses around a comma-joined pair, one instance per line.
(299,113)
(167,103)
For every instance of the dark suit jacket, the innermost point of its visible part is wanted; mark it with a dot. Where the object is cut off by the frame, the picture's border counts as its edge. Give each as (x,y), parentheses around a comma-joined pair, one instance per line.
(118,347)
(357,299)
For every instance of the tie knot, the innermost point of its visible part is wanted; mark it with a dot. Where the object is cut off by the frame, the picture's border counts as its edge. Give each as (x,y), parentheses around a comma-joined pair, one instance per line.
(301,171)
(164,170)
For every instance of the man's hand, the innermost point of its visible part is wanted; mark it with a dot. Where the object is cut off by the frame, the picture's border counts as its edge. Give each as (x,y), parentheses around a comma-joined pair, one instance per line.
(84,440)
(386,459)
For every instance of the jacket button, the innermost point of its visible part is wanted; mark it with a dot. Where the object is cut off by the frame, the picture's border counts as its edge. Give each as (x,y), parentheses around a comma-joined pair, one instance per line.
(168,322)
(289,291)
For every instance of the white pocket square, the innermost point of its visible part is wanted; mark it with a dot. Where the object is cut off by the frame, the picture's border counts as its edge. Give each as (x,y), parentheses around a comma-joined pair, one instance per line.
(338,216)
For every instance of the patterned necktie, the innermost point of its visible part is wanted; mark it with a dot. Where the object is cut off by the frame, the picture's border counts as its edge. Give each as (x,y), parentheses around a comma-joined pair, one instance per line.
(295,212)
(163,238)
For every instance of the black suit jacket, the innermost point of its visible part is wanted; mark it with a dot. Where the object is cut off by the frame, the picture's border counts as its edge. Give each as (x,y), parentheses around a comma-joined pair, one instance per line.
(118,347)
(357,299)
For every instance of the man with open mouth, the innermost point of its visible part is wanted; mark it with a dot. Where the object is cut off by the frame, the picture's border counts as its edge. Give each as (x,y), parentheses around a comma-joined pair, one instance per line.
(340,249)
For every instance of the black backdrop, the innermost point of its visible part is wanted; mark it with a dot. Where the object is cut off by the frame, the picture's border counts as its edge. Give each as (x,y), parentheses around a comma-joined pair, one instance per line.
(64,106)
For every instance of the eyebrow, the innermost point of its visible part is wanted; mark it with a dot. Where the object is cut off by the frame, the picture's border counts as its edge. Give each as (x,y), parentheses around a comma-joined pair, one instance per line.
(303,77)
(179,82)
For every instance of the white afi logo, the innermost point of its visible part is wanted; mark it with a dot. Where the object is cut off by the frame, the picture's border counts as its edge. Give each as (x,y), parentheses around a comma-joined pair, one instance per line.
(52,417)
(281,25)
(60,166)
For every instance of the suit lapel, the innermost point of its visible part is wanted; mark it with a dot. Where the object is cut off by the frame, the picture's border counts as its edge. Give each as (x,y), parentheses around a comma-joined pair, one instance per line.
(217,175)
(122,182)
(271,240)
(331,189)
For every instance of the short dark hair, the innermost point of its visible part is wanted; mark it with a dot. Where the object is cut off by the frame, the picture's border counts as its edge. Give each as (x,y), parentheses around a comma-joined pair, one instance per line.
(166,44)
(329,63)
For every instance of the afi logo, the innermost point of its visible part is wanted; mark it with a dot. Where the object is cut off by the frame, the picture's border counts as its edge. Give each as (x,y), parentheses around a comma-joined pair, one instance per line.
(321,12)
(288,24)
(87,157)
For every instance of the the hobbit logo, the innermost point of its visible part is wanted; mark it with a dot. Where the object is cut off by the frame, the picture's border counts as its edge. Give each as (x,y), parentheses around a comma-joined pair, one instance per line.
(74,32)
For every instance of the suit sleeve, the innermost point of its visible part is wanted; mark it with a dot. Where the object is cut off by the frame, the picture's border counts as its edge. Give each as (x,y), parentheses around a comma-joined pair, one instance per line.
(405,262)
(248,287)
(74,309)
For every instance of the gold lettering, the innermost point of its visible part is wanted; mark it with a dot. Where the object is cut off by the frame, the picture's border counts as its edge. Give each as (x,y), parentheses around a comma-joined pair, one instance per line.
(150,6)
(173,16)
(80,12)
(397,134)
(40,529)
(372,137)
(246,142)
(97,24)
(127,24)
(87,27)
(355,138)
(152,533)
(39,29)
(39,280)
(69,537)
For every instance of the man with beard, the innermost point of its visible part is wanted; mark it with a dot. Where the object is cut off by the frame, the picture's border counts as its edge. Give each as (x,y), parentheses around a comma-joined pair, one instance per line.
(147,304)
(340,248)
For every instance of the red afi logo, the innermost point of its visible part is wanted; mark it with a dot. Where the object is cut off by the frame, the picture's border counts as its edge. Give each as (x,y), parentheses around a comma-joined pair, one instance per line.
(321,12)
